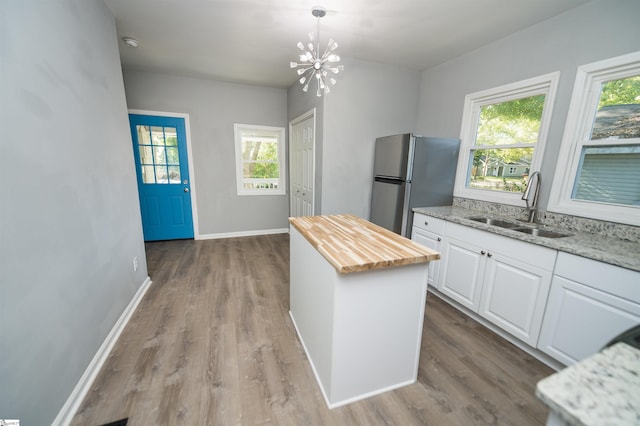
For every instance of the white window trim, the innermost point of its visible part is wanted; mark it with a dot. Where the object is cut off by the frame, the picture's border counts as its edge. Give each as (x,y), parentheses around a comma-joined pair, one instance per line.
(584,101)
(282,179)
(542,85)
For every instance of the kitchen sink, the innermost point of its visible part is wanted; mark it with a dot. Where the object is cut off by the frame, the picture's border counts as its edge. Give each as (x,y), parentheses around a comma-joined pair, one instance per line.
(537,232)
(531,229)
(496,222)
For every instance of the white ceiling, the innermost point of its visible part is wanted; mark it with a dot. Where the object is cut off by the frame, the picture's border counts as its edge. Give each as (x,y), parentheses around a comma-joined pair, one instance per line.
(252,41)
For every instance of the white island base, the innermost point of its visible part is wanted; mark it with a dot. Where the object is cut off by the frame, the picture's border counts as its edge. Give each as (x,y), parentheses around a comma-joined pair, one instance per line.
(361,331)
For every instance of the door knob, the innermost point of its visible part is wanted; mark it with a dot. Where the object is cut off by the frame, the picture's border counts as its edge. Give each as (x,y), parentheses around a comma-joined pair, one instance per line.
(186,190)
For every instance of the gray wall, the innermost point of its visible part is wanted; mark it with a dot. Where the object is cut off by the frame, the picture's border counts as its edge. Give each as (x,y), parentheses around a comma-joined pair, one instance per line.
(595,31)
(369,101)
(213,108)
(69,216)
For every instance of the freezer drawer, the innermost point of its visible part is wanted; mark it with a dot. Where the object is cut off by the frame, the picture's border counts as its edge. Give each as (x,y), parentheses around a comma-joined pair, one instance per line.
(391,157)
(387,200)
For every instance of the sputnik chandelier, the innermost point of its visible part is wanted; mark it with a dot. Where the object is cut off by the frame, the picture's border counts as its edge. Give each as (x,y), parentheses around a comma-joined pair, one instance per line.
(312,63)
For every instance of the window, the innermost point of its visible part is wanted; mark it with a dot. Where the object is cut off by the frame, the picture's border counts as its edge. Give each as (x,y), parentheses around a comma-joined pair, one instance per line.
(259,160)
(159,159)
(598,169)
(503,135)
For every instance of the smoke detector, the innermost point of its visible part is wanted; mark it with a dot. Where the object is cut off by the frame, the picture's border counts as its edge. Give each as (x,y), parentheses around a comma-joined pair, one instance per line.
(129,41)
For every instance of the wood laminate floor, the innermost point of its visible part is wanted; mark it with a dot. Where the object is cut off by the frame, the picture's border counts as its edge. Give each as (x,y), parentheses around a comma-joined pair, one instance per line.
(212,343)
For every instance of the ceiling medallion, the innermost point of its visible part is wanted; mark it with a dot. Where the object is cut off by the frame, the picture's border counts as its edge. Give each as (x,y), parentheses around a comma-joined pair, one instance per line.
(312,63)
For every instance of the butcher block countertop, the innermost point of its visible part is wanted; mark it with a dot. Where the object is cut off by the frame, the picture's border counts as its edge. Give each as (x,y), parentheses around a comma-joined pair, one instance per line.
(352,244)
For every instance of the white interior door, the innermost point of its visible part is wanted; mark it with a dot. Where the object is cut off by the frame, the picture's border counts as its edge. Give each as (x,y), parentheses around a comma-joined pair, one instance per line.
(302,132)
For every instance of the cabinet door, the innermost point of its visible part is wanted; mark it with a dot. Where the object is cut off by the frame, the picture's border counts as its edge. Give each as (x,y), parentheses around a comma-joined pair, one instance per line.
(461,273)
(580,320)
(434,242)
(514,296)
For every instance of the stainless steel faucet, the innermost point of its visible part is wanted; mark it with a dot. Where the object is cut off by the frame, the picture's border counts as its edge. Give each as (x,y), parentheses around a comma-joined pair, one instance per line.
(531,207)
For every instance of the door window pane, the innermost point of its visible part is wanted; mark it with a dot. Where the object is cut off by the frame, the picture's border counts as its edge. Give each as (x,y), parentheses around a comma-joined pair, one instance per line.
(157,135)
(161,174)
(145,155)
(148,175)
(172,155)
(174,174)
(158,146)
(144,136)
(158,155)
(171,137)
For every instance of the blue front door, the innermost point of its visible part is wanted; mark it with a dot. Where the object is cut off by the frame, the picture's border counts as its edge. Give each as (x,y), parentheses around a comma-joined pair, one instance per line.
(160,151)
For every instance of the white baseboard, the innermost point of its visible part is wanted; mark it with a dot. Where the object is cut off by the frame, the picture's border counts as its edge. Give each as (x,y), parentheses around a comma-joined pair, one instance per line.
(242,234)
(76,397)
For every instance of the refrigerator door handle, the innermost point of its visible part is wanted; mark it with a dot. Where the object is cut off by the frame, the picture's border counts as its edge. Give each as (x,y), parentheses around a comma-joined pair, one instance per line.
(391,180)
(407,211)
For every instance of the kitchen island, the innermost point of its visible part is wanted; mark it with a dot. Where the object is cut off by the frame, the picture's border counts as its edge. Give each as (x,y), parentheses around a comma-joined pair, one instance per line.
(357,300)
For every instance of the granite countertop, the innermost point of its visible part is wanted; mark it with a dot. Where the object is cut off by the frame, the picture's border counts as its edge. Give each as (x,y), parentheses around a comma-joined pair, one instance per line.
(352,244)
(603,389)
(609,250)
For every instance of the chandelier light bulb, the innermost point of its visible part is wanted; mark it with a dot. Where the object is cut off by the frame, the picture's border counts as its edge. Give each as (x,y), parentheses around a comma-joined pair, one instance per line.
(313,62)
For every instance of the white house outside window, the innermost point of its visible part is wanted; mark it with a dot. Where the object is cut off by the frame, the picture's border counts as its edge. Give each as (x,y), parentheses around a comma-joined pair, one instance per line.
(259,160)
(503,134)
(599,163)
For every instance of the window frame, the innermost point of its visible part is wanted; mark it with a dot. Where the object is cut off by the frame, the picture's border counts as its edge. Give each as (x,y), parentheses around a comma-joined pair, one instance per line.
(239,130)
(582,110)
(547,85)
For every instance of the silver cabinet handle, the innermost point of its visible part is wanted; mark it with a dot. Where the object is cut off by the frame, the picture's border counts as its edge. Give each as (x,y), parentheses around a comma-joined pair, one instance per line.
(186,190)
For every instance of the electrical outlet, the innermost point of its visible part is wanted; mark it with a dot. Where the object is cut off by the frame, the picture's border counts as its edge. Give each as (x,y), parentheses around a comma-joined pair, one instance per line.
(135,264)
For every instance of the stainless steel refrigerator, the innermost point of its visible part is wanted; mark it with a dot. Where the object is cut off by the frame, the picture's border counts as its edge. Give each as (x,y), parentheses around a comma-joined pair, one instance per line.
(411,171)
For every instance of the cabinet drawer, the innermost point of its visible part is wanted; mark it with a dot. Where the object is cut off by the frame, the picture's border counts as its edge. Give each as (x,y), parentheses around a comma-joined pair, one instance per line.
(611,279)
(429,223)
(541,257)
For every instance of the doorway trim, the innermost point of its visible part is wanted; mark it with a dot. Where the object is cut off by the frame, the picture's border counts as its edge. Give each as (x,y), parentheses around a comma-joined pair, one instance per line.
(192,174)
(293,122)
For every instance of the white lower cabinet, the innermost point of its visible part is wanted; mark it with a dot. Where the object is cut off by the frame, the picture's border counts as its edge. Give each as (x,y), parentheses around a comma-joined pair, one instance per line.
(428,231)
(590,302)
(502,279)
(514,295)
(461,277)
(568,309)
